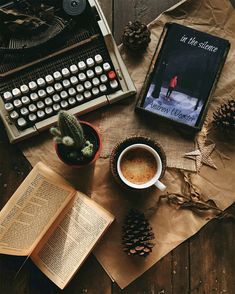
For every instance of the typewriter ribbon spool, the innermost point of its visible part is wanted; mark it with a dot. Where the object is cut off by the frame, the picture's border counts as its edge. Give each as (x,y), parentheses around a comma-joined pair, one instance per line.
(74,7)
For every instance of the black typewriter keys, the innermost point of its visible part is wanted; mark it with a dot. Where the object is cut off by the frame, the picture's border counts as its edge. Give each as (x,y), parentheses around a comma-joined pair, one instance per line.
(74,7)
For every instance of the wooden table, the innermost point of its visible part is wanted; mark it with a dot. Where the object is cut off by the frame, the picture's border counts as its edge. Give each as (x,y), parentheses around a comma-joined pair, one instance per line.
(204,264)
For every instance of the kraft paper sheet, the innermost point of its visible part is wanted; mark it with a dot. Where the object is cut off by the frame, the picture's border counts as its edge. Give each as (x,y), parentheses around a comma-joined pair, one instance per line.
(171,226)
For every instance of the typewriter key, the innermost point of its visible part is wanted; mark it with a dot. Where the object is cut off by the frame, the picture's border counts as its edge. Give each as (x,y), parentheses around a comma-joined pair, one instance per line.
(14,115)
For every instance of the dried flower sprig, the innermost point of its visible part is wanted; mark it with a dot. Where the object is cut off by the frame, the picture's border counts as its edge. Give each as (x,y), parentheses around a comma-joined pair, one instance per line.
(205,208)
(192,199)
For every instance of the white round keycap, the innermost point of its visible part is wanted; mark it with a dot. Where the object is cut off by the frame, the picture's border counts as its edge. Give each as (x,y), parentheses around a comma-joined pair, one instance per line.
(50,90)
(80,88)
(48,110)
(40,105)
(33,86)
(66,83)
(9,106)
(87,94)
(72,101)
(42,93)
(98,58)
(95,81)
(106,66)
(16,92)
(56,98)
(40,113)
(81,65)
(14,115)
(24,89)
(7,96)
(41,82)
(58,87)
(57,75)
(90,74)
(65,72)
(72,92)
(98,70)
(64,104)
(32,117)
(25,100)
(103,88)
(88,85)
(32,108)
(82,77)
(49,79)
(56,107)
(34,96)
(74,80)
(104,78)
(74,69)
(95,91)
(64,95)
(17,103)
(24,111)
(90,62)
(21,122)
(48,101)
(114,84)
(79,98)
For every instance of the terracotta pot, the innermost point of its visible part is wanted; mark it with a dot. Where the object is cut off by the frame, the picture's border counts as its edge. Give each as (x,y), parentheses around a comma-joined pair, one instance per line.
(95,156)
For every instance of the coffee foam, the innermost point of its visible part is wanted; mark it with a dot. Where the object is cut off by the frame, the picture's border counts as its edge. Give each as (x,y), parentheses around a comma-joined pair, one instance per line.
(138,166)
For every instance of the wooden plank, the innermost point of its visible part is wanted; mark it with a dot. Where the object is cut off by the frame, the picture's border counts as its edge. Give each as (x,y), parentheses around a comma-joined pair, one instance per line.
(155,280)
(107,7)
(91,279)
(9,282)
(142,10)
(169,275)
(212,259)
(13,169)
(181,269)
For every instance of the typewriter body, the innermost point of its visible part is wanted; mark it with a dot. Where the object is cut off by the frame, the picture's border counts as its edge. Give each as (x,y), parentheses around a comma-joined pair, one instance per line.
(79,70)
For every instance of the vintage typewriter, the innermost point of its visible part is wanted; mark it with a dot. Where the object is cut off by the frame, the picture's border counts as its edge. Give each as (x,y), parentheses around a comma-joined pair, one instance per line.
(77,68)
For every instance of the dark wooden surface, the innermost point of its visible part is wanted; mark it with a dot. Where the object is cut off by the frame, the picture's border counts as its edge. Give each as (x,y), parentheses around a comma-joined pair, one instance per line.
(205,264)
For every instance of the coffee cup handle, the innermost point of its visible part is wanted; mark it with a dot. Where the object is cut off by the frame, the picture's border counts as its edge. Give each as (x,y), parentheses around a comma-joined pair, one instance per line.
(160,185)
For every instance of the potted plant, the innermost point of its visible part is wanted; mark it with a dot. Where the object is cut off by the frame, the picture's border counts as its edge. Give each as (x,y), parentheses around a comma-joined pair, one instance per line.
(77,143)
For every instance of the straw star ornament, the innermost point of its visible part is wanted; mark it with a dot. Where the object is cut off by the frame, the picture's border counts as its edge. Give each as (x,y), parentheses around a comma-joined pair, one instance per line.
(202,155)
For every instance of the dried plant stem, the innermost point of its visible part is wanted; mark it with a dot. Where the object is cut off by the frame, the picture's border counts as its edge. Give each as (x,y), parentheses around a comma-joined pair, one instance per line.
(191,199)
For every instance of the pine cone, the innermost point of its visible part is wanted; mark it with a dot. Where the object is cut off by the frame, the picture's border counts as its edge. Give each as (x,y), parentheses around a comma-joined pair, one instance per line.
(136,37)
(224,117)
(137,234)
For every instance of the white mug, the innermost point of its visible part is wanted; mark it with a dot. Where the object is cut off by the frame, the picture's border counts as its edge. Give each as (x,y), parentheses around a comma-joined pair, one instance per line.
(154,181)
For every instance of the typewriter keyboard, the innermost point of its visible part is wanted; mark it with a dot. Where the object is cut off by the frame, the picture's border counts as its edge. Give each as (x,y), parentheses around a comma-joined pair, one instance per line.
(64,88)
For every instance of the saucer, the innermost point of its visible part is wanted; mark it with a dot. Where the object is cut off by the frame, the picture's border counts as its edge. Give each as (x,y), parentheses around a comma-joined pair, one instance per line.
(130,141)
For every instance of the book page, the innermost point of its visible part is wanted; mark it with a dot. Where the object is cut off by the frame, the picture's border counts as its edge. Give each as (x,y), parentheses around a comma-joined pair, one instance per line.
(32,209)
(71,240)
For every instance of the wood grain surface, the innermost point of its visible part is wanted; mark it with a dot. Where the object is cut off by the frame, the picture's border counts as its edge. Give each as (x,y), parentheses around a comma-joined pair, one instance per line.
(205,264)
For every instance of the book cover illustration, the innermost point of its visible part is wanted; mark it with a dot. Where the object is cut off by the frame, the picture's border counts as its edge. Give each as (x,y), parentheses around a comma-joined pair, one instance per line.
(184,74)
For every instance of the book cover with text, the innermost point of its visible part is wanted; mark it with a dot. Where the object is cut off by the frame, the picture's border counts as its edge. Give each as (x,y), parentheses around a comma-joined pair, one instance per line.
(184,74)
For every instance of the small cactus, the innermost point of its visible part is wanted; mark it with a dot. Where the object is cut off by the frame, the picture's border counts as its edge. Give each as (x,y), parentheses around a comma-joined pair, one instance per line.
(70,133)
(70,127)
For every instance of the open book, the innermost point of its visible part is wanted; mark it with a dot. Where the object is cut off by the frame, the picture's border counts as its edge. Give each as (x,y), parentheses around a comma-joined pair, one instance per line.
(52,223)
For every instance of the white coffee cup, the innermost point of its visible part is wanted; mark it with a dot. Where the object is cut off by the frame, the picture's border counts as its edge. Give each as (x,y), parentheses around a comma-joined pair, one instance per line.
(154,180)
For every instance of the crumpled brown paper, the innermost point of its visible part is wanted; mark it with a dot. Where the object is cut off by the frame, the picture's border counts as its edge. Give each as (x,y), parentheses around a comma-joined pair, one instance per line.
(171,226)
